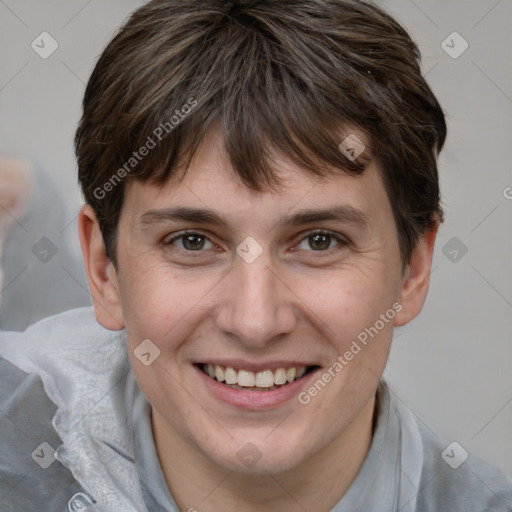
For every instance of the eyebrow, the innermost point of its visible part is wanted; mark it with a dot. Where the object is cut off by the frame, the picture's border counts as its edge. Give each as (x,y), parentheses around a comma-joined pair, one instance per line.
(341,213)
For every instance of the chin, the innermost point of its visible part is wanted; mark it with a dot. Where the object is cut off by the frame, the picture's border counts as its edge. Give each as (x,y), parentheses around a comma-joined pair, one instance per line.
(257,455)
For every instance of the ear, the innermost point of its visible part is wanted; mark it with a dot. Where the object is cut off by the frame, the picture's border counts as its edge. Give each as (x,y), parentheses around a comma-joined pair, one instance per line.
(100,271)
(416,278)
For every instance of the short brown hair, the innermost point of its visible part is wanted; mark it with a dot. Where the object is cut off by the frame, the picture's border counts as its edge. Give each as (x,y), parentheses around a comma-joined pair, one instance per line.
(276,75)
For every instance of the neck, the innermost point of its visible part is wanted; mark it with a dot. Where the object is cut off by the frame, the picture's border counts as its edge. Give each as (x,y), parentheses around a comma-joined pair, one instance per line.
(318,483)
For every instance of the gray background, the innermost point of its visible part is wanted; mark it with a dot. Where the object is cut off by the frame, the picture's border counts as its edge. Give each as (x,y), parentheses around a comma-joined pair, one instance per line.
(451,365)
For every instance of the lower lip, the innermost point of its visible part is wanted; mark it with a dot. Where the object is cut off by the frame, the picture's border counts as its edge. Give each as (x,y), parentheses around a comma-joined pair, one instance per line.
(255,400)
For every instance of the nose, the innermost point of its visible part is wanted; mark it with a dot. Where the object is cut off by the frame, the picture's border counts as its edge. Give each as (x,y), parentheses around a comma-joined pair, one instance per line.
(257,306)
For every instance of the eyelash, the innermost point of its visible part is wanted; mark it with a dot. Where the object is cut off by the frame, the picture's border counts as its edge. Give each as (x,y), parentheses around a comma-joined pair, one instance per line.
(341,241)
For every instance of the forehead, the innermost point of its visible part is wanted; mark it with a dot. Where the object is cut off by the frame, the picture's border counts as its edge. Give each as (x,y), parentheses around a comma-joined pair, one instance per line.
(211,183)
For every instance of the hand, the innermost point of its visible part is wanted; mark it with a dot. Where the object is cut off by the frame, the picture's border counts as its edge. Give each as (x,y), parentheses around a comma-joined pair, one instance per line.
(15,189)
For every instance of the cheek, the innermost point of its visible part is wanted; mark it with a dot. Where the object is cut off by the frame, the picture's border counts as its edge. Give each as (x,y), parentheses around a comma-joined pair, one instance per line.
(155,299)
(348,302)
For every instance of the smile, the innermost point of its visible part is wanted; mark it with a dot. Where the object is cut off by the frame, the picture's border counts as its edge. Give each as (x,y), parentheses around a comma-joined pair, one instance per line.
(246,380)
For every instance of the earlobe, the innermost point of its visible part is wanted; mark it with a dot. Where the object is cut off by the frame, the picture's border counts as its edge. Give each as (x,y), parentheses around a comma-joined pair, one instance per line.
(416,278)
(101,274)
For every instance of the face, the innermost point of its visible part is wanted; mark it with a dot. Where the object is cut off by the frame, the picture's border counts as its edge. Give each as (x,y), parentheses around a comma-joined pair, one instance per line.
(258,289)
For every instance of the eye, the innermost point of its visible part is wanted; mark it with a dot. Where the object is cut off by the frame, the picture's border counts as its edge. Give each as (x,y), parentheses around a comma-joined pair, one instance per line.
(321,241)
(190,241)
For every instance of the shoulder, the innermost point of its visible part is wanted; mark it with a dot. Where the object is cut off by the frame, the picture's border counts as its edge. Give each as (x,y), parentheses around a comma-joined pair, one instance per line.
(31,478)
(454,480)
(51,342)
(39,371)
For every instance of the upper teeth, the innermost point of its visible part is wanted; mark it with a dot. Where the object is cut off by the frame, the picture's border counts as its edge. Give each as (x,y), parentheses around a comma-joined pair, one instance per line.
(263,379)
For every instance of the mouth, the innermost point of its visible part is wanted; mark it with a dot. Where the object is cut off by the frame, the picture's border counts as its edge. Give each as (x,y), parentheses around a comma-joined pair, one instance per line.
(264,380)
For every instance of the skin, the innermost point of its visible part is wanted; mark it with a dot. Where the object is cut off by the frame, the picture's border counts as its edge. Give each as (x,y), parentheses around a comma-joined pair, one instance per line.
(292,303)
(15,190)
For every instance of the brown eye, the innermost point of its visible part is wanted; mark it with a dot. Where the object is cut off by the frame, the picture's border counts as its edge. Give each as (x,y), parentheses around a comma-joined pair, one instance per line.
(321,242)
(190,241)
(193,242)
